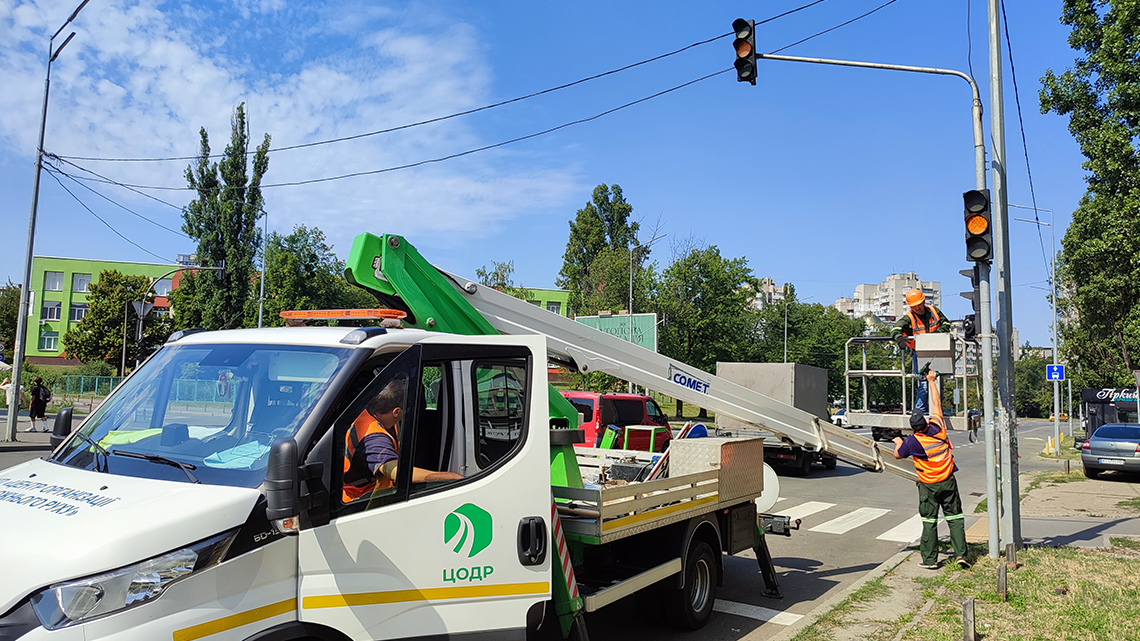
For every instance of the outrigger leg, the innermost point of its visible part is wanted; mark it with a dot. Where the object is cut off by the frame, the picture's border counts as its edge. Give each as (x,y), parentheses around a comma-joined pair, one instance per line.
(767,569)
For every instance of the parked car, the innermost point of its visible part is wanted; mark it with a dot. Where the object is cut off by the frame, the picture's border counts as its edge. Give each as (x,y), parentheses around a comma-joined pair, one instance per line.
(623,410)
(1111,447)
(840,418)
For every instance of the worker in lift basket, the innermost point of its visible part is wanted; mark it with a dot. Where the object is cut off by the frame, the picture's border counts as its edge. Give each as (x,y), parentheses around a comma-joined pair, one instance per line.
(933,457)
(919,319)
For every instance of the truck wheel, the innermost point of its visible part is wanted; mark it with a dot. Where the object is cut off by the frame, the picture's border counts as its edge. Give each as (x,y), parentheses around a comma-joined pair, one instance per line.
(690,607)
(804,468)
(829,462)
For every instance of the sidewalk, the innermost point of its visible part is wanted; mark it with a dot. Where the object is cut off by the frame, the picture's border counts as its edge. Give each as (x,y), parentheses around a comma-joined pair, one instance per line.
(26,441)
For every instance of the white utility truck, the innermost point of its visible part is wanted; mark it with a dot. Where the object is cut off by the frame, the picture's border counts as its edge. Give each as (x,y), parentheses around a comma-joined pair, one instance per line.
(217,493)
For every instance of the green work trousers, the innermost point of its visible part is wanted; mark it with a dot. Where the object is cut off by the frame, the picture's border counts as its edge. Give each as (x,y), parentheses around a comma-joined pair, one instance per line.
(931,497)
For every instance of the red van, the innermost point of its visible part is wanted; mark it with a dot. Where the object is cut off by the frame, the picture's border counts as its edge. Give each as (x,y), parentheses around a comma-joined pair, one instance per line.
(599,410)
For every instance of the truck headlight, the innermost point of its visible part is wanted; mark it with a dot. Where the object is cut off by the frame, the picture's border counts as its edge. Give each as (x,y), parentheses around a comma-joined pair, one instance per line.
(81,600)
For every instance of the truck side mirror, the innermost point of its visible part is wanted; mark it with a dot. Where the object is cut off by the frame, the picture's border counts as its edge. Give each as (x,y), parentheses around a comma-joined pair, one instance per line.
(282,483)
(62,428)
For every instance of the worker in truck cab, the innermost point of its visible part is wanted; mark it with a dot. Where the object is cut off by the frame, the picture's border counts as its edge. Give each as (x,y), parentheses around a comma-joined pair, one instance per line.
(919,319)
(372,446)
(933,457)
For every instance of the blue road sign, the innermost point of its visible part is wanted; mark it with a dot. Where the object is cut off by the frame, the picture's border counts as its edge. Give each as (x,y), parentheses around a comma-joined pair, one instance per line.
(1054,372)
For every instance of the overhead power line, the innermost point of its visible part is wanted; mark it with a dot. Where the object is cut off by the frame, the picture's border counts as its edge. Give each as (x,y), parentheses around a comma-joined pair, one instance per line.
(844,24)
(459,113)
(455,155)
(100,218)
(117,204)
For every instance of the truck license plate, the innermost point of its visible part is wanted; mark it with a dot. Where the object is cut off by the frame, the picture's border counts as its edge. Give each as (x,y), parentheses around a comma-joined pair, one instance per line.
(1112,461)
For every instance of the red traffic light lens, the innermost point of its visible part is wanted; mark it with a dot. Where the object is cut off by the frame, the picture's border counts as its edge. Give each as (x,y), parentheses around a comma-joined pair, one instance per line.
(977,225)
(742,28)
(744,49)
(975,201)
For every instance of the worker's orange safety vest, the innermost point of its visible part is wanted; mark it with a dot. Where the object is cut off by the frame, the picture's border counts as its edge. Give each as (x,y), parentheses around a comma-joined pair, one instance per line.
(918,327)
(362,427)
(939,463)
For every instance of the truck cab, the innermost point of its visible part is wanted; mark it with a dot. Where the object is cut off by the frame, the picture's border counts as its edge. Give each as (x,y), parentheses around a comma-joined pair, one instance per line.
(151,522)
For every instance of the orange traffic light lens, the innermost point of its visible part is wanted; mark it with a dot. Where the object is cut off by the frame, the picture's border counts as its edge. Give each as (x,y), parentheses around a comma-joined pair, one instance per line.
(744,49)
(977,225)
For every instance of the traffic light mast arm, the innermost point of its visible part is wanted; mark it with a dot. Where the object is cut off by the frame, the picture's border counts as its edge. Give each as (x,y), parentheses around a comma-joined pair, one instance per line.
(979,141)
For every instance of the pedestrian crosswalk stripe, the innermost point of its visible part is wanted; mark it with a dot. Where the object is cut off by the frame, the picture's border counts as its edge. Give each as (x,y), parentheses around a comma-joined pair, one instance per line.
(850,521)
(756,612)
(806,509)
(906,532)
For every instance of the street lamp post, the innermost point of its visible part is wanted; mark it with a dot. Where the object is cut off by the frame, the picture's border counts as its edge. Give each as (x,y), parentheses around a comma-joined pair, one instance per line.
(143,311)
(25,289)
(1053,287)
(786,319)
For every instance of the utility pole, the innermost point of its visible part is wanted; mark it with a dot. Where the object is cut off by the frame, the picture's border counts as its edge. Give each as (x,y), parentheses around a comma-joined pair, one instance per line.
(26,287)
(1007,420)
(1053,292)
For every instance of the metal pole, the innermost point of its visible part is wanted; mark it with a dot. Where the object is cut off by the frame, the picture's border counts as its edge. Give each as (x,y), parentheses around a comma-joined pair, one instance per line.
(1056,346)
(630,310)
(785,322)
(126,308)
(1010,500)
(26,286)
(18,348)
(1069,379)
(264,261)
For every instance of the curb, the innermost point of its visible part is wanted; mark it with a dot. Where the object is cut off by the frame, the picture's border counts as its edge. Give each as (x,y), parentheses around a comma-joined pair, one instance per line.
(828,605)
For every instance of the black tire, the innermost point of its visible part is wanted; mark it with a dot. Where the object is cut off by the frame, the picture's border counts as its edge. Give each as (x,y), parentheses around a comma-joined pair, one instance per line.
(829,462)
(1092,474)
(690,607)
(804,468)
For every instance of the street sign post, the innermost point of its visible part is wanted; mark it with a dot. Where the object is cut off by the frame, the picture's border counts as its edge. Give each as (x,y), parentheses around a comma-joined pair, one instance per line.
(1054,372)
(1136,375)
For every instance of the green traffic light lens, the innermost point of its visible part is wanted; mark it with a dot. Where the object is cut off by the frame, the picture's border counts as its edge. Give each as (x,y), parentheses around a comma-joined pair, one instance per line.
(977,249)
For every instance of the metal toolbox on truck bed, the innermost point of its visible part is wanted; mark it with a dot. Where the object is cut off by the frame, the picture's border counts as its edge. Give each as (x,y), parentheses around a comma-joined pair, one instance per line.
(730,471)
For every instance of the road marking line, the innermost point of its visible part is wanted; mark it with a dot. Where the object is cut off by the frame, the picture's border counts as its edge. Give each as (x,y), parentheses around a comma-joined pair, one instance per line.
(756,612)
(806,509)
(850,521)
(908,531)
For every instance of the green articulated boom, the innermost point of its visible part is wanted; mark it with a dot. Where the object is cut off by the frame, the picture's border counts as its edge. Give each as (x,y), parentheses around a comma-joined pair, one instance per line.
(400,278)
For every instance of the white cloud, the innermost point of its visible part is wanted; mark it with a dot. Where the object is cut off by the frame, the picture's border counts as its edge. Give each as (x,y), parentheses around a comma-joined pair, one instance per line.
(139,81)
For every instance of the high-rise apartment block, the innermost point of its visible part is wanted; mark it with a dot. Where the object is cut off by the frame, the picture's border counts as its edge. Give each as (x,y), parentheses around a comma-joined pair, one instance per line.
(887,300)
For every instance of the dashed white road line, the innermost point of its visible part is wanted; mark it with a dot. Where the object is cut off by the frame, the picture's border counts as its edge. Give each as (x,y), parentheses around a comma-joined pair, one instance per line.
(850,521)
(805,509)
(756,612)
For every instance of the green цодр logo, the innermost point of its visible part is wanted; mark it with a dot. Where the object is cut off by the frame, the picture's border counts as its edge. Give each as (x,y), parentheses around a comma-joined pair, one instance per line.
(467,530)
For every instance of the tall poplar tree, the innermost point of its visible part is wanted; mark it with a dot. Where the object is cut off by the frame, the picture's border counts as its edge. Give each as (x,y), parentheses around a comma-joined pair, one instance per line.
(223,219)
(602,224)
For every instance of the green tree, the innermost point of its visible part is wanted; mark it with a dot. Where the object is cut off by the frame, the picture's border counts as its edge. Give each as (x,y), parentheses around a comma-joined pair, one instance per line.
(501,278)
(9,315)
(99,336)
(1098,270)
(1034,394)
(223,219)
(303,272)
(705,300)
(816,335)
(603,223)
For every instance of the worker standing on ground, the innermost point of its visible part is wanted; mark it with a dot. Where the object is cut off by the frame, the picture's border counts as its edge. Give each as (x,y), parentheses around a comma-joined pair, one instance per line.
(919,319)
(937,488)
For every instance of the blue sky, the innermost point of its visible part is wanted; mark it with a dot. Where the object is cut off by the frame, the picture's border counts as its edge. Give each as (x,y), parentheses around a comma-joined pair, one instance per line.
(823,176)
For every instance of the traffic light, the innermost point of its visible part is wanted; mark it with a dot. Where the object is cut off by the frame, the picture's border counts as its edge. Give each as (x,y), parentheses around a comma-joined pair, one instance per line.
(969,327)
(970,323)
(745,46)
(979,230)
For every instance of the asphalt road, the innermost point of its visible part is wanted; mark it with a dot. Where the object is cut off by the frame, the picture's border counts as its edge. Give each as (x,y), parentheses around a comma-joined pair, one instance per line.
(852,521)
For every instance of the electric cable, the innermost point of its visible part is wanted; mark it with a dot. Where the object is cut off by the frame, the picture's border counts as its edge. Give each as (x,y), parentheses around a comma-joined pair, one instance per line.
(119,205)
(455,155)
(100,219)
(844,24)
(1024,146)
(468,111)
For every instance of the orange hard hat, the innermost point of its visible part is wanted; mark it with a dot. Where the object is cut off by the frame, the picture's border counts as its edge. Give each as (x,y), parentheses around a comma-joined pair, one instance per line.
(915,297)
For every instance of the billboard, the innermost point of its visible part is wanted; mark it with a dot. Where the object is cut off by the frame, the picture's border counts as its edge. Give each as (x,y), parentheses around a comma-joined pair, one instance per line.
(644,327)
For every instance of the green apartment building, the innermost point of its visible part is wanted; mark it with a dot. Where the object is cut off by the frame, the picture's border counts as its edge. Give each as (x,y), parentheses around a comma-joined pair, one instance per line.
(59,298)
(553,300)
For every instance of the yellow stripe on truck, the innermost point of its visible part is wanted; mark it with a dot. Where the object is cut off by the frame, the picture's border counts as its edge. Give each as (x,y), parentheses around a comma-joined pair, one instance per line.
(427,594)
(235,620)
(659,512)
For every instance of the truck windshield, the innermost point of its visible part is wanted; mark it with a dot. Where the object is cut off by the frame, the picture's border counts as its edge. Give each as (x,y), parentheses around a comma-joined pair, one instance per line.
(212,409)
